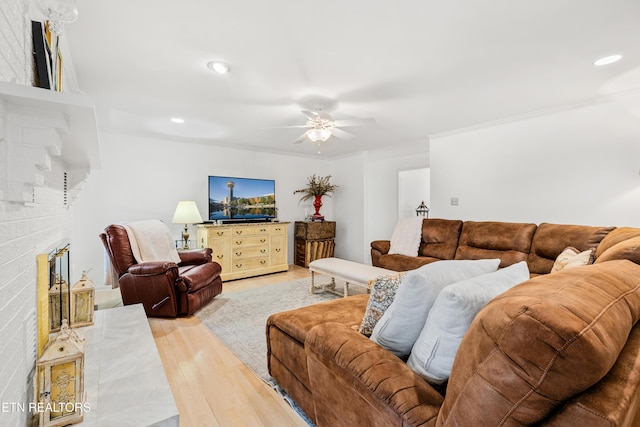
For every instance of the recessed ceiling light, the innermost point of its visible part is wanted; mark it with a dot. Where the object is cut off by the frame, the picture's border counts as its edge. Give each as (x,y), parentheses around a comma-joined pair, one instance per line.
(608,60)
(177,120)
(219,67)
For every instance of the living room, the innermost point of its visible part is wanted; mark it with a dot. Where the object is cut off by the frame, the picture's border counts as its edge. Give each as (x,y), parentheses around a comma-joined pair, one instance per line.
(575,159)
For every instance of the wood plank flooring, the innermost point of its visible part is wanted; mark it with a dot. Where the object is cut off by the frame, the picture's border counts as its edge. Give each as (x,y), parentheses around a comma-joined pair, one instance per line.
(211,386)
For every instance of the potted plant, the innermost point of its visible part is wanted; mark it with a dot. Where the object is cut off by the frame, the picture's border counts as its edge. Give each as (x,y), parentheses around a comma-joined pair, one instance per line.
(316,188)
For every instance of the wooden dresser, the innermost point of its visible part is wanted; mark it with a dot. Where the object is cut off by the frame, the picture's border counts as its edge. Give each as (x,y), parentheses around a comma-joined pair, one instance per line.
(246,250)
(313,240)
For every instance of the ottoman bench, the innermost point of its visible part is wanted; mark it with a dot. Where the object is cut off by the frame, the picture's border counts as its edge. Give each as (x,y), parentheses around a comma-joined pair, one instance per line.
(347,271)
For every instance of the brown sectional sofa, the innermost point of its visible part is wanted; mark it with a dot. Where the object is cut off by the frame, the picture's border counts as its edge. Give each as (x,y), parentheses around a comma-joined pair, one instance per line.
(559,349)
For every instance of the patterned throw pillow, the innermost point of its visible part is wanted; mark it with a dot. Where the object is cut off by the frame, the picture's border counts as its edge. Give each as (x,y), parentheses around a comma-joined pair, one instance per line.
(571,257)
(382,293)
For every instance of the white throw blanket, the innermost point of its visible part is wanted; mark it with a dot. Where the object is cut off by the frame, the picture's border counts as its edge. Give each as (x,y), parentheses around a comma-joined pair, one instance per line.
(406,236)
(151,240)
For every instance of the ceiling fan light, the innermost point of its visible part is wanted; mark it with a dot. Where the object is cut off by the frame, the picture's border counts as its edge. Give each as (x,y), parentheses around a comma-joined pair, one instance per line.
(219,67)
(319,135)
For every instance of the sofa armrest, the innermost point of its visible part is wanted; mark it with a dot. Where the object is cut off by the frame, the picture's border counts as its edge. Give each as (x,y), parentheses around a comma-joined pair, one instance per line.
(154,268)
(195,256)
(381,246)
(357,382)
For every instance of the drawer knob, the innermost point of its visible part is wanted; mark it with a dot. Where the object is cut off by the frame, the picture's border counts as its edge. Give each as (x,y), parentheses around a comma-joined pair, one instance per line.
(238,265)
(238,231)
(219,256)
(238,242)
(263,251)
(238,253)
(262,240)
(262,230)
(263,262)
(278,249)
(220,233)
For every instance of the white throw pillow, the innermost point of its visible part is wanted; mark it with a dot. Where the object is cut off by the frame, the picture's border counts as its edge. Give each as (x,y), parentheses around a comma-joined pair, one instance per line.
(400,326)
(571,257)
(406,237)
(450,317)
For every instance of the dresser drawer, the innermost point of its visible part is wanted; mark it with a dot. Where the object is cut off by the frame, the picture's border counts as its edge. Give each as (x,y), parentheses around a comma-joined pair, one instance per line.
(241,242)
(251,231)
(250,252)
(249,264)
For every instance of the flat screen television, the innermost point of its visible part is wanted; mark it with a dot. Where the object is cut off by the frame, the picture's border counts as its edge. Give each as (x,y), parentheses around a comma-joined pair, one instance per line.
(233,199)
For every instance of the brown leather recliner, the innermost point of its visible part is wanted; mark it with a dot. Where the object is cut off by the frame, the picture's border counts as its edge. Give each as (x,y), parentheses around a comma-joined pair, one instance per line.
(165,289)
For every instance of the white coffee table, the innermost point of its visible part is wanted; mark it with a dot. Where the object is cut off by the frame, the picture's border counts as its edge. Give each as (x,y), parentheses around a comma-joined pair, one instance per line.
(349,272)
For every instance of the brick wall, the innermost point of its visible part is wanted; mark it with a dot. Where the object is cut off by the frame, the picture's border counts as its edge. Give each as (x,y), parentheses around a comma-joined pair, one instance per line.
(26,229)
(16,60)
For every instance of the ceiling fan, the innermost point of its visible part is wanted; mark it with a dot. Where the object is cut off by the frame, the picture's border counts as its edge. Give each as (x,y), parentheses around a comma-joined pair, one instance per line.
(321,126)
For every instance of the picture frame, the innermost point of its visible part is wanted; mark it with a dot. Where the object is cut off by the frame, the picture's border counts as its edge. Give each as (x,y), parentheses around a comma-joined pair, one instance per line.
(42,58)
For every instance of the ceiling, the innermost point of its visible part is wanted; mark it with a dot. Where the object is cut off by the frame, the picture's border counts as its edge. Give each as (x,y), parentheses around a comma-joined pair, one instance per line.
(418,67)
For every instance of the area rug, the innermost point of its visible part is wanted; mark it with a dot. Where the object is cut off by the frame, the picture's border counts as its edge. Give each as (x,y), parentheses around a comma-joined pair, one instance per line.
(239,318)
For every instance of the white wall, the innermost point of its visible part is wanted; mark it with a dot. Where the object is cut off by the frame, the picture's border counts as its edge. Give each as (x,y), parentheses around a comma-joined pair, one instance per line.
(143,178)
(348,173)
(579,166)
(381,188)
(414,187)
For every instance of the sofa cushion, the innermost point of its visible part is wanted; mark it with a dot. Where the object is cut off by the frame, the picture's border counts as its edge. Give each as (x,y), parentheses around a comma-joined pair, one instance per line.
(452,312)
(382,294)
(626,249)
(571,257)
(508,241)
(402,262)
(401,324)
(616,236)
(440,238)
(549,339)
(551,239)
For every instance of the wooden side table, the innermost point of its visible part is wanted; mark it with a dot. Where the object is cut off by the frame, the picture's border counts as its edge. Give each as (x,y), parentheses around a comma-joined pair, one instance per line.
(313,240)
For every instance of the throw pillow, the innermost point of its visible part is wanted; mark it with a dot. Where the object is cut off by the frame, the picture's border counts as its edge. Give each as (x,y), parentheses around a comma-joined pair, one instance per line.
(571,257)
(406,237)
(451,315)
(382,293)
(400,326)
(627,249)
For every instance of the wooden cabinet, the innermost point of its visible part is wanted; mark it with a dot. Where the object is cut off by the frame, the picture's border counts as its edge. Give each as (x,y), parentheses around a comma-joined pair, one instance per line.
(313,240)
(246,250)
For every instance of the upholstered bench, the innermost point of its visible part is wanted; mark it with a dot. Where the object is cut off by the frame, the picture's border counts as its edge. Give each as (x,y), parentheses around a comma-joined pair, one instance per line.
(347,271)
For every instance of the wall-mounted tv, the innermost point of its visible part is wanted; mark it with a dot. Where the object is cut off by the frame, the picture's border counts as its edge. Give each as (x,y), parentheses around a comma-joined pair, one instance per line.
(241,199)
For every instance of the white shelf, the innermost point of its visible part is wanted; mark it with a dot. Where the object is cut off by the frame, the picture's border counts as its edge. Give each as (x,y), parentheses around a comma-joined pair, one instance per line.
(37,125)
(80,141)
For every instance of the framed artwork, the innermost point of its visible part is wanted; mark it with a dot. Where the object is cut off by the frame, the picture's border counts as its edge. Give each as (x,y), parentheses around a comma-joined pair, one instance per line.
(42,58)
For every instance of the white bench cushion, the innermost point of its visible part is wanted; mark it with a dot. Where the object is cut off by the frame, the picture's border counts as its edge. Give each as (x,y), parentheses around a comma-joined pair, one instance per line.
(348,271)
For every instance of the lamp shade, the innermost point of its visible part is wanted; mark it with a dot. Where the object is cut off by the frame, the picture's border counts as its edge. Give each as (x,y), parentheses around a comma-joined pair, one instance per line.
(186,213)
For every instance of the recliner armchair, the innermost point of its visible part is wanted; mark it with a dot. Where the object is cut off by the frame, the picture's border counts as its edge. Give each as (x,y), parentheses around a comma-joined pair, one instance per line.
(165,289)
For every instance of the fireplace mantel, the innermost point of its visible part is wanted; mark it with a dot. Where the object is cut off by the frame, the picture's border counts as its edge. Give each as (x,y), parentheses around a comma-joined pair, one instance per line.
(38,125)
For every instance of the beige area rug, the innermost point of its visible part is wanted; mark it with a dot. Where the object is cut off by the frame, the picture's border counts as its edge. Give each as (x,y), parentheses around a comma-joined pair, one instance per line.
(239,318)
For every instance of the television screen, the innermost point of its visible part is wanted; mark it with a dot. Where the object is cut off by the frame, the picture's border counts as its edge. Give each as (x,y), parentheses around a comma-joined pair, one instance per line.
(233,198)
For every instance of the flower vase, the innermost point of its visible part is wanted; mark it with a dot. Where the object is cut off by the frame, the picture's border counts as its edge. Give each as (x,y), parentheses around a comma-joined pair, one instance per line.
(317,204)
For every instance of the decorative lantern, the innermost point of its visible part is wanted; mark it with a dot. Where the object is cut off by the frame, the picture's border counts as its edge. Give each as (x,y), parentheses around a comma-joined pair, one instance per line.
(82,296)
(61,380)
(58,303)
(422,210)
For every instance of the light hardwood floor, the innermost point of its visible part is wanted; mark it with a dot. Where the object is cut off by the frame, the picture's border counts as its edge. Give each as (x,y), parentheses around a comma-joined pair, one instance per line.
(211,386)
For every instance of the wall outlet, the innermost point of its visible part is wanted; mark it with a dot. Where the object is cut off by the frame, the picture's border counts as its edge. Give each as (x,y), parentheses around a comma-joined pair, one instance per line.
(454,201)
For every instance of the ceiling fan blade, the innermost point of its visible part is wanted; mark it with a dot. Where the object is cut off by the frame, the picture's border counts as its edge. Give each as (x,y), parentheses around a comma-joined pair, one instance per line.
(311,115)
(287,127)
(355,122)
(301,138)
(339,133)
